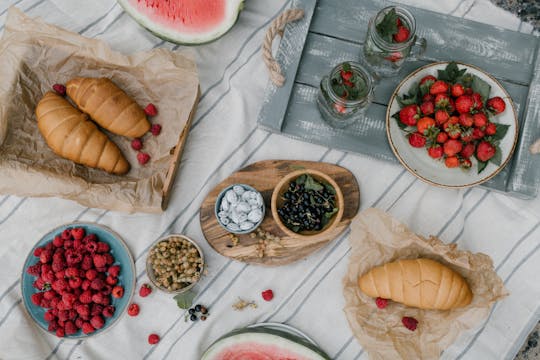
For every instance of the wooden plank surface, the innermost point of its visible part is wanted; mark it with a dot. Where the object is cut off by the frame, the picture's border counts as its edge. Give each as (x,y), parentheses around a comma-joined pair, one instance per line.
(263,176)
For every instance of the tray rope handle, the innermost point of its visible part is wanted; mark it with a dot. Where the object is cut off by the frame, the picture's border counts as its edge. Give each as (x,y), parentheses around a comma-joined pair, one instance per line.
(277,27)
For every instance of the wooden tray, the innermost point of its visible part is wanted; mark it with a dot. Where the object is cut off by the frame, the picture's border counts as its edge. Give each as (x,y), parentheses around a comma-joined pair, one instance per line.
(263,176)
(334,31)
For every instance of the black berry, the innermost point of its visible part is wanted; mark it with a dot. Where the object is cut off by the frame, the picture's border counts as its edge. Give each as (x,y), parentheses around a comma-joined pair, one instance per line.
(193,317)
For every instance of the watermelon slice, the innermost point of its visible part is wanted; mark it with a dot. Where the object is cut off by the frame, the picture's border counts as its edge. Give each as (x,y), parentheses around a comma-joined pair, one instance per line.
(262,344)
(185,21)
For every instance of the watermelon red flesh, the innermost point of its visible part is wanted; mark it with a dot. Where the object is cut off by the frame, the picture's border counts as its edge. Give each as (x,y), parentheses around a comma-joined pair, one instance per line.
(256,351)
(189,16)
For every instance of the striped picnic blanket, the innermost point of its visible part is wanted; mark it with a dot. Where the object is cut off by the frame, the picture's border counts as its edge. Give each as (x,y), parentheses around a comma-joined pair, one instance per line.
(224,137)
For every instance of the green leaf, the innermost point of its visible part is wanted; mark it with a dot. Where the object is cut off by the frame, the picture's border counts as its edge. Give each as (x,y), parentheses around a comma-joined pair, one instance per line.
(497,158)
(502,129)
(312,184)
(330,189)
(451,73)
(424,88)
(407,99)
(185,300)
(388,26)
(301,179)
(401,125)
(465,80)
(481,165)
(346,66)
(480,86)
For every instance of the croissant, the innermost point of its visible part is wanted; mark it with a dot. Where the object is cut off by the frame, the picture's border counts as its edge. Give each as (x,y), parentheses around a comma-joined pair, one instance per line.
(70,134)
(422,283)
(109,106)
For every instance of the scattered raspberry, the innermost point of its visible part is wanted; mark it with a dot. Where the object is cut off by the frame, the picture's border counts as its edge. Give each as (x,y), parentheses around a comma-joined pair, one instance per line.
(59,89)
(143,158)
(136,144)
(150,110)
(155,129)
(381,303)
(409,322)
(145,290)
(133,310)
(267,295)
(114,270)
(117,292)
(153,339)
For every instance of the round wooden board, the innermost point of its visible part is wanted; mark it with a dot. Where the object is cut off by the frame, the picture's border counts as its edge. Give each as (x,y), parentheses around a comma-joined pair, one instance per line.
(263,176)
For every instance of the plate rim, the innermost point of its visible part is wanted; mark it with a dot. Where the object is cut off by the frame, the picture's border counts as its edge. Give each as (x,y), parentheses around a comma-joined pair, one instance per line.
(129,299)
(426,180)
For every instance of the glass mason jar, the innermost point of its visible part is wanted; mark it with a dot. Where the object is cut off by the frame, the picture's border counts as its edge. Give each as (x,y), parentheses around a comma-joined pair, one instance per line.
(385,58)
(335,109)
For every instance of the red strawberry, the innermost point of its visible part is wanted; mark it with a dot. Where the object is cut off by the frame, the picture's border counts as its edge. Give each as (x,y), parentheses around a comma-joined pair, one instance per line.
(428,78)
(381,303)
(435,151)
(465,164)
(423,124)
(467,135)
(156,128)
(427,108)
(59,89)
(452,147)
(409,322)
(153,339)
(477,133)
(464,104)
(478,103)
(451,162)
(87,328)
(417,140)
(438,87)
(442,101)
(145,290)
(136,144)
(428,97)
(466,120)
(457,90)
(441,116)
(491,129)
(485,151)
(133,310)
(442,137)
(496,104)
(346,75)
(402,34)
(143,158)
(267,295)
(452,129)
(394,57)
(480,120)
(409,114)
(117,292)
(150,110)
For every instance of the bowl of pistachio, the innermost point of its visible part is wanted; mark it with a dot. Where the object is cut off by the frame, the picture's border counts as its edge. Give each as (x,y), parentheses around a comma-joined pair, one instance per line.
(175,263)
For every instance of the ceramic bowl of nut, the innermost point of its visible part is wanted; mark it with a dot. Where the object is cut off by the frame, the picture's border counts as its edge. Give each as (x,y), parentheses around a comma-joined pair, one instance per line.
(175,264)
(307,203)
(239,208)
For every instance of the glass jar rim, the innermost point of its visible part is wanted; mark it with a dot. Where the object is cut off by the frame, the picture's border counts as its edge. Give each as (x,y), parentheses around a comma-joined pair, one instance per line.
(360,70)
(403,13)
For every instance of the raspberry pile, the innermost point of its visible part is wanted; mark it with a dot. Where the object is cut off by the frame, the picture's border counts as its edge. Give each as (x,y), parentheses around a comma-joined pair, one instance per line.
(75,278)
(453,118)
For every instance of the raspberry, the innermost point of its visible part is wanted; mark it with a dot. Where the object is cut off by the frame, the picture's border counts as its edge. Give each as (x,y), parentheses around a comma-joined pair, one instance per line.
(48,276)
(77,233)
(59,285)
(114,270)
(70,328)
(58,241)
(45,256)
(96,309)
(49,316)
(66,234)
(91,274)
(136,144)
(133,310)
(60,332)
(381,303)
(97,298)
(155,129)
(145,290)
(109,258)
(45,303)
(83,309)
(97,321)
(143,158)
(106,290)
(99,260)
(58,266)
(101,269)
(87,328)
(62,306)
(37,251)
(267,295)
(89,238)
(111,280)
(54,302)
(153,339)
(72,272)
(79,322)
(108,311)
(75,283)
(409,322)
(117,292)
(59,89)
(68,244)
(69,298)
(72,314)
(34,270)
(86,297)
(61,324)
(87,262)
(106,300)
(49,294)
(53,325)
(85,284)
(91,247)
(60,274)
(103,247)
(38,284)
(63,315)
(97,284)
(150,110)
(73,257)
(77,245)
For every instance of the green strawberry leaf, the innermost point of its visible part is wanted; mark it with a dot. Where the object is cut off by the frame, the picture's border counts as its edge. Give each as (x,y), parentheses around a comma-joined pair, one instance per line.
(401,125)
(411,98)
(185,300)
(465,80)
(451,73)
(346,66)
(497,158)
(502,129)
(388,26)
(481,165)
(424,88)
(312,184)
(480,86)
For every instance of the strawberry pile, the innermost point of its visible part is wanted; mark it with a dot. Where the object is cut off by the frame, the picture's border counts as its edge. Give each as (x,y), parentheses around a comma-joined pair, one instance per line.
(75,279)
(453,117)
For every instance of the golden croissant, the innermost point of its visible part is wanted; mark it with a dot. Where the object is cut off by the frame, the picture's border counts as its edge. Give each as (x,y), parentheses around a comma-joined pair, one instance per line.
(108,105)
(422,283)
(70,134)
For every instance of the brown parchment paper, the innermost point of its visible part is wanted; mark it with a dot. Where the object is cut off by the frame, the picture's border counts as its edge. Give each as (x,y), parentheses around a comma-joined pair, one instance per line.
(377,238)
(35,55)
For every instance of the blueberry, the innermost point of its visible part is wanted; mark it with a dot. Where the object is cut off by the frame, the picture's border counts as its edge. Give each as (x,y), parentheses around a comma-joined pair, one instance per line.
(198,307)
(193,317)
(191,311)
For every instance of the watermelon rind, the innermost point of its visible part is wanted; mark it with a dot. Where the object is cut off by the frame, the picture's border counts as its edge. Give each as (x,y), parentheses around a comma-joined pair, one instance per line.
(268,337)
(182,38)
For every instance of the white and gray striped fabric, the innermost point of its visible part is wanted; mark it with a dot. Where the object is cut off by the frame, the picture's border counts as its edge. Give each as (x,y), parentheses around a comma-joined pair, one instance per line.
(223,138)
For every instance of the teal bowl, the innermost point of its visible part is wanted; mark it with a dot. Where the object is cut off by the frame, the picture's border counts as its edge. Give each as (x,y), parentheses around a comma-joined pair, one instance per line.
(126,277)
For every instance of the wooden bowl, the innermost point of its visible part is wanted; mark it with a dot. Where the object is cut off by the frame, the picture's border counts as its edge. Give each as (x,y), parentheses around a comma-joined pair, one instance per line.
(283,185)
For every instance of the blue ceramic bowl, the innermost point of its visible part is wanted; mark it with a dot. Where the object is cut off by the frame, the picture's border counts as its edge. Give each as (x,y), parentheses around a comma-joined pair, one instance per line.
(218,204)
(126,278)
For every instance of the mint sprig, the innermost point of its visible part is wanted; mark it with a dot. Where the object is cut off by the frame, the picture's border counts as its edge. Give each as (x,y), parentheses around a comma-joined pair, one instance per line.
(388,26)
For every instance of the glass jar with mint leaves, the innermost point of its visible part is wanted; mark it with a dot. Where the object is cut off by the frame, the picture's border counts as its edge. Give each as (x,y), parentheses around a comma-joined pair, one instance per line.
(345,94)
(391,39)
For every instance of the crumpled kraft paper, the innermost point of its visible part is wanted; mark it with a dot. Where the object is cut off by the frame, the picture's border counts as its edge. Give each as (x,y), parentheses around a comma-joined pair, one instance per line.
(377,238)
(34,56)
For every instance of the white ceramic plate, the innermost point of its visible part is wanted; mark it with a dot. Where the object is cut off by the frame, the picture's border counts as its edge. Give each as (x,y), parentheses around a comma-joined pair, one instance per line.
(434,172)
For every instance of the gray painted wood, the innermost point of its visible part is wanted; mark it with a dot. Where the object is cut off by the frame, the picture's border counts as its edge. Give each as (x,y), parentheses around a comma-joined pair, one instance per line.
(509,56)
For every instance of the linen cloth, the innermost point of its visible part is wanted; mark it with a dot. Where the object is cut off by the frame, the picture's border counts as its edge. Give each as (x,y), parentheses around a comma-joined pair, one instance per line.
(223,138)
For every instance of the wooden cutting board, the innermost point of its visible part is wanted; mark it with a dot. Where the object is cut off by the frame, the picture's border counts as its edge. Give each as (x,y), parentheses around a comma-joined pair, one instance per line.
(263,176)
